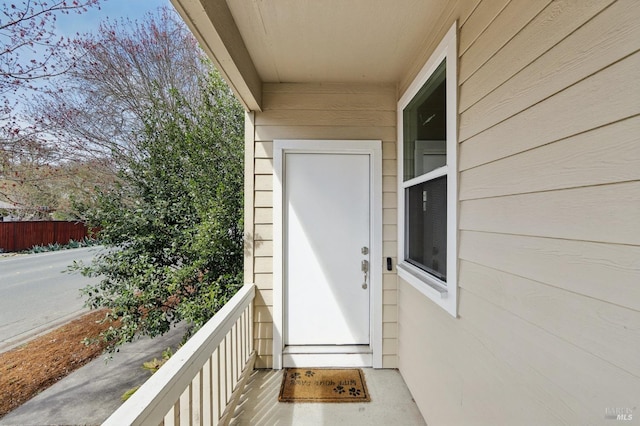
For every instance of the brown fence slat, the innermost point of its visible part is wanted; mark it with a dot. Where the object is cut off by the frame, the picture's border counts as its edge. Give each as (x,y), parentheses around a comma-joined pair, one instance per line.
(16,236)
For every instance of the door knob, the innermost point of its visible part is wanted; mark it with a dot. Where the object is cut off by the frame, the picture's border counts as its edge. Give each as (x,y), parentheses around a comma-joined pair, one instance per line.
(364,250)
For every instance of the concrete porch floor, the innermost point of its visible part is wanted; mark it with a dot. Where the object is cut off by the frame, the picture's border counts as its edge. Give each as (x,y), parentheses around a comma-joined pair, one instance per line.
(391,403)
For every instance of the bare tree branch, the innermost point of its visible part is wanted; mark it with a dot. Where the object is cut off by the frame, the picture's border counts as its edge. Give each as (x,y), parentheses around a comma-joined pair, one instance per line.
(98,112)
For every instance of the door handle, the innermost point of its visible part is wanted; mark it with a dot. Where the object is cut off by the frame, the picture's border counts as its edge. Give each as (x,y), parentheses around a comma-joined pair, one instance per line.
(364,265)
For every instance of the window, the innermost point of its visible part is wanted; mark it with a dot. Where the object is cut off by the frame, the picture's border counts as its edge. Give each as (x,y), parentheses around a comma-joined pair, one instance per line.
(427,150)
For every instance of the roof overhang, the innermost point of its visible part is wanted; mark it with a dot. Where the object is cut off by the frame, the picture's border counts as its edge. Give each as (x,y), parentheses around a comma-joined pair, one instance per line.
(304,41)
(213,25)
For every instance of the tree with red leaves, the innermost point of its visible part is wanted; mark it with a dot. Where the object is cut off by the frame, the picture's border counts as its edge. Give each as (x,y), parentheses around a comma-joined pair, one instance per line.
(31,52)
(124,68)
(97,114)
(30,47)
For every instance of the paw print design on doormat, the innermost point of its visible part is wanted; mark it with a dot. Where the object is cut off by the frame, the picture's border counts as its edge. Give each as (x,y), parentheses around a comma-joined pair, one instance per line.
(309,373)
(295,376)
(339,389)
(354,392)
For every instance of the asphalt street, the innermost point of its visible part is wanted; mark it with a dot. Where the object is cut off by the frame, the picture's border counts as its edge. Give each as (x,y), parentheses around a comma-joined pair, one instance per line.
(36,294)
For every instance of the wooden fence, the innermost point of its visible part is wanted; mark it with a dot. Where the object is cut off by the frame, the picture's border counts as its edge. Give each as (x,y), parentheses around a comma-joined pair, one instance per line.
(17,236)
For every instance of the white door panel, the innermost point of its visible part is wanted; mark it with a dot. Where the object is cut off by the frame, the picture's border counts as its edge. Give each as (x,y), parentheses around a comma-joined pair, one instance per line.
(326,208)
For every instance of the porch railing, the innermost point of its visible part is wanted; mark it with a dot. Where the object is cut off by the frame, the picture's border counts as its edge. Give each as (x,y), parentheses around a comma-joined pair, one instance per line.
(202,382)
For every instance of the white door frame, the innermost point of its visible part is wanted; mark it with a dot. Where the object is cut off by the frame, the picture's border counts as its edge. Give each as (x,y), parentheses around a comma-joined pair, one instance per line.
(373,148)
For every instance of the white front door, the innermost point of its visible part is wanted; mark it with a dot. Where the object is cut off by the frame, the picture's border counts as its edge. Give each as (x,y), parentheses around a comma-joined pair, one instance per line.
(326,209)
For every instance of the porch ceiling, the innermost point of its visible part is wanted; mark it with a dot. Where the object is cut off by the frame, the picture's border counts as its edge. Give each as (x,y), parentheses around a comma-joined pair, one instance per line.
(303,41)
(333,40)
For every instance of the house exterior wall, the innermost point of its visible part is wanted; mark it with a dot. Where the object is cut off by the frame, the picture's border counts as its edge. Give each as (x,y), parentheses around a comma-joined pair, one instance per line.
(315,111)
(549,243)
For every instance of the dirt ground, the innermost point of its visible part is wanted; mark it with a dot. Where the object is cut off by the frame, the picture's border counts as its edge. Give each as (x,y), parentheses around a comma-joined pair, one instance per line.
(28,369)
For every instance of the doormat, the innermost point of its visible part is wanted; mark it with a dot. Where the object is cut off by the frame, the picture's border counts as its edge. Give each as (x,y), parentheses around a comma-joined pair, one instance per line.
(323,385)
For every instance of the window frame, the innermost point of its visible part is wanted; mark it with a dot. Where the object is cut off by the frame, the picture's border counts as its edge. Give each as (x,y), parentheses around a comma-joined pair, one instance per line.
(443,294)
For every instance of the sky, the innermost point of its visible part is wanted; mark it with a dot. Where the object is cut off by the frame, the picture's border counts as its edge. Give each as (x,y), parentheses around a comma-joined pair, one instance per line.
(88,21)
(71,24)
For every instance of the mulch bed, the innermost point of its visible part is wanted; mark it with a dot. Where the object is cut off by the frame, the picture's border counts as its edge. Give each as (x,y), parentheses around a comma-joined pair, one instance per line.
(27,370)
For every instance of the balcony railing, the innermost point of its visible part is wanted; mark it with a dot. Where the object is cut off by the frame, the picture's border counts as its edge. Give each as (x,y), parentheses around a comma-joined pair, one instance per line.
(202,382)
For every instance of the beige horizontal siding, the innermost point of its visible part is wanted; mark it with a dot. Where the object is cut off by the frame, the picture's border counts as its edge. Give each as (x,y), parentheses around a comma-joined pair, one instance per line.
(389,346)
(370,132)
(263,199)
(577,377)
(591,103)
(389,183)
(389,168)
(263,166)
(603,40)
(604,213)
(510,39)
(390,216)
(506,25)
(389,150)
(264,298)
(389,232)
(389,281)
(462,11)
(263,215)
(389,199)
(389,313)
(602,156)
(490,373)
(264,182)
(390,297)
(264,361)
(263,331)
(326,118)
(263,314)
(606,272)
(264,150)
(390,329)
(263,265)
(481,18)
(320,111)
(549,239)
(264,280)
(471,385)
(389,249)
(263,248)
(263,232)
(599,328)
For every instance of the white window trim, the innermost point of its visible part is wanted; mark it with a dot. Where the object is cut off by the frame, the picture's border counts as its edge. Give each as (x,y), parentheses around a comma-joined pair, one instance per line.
(443,294)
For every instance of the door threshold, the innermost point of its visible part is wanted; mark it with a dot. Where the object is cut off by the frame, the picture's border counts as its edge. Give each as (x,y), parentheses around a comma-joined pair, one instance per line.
(327,356)
(327,349)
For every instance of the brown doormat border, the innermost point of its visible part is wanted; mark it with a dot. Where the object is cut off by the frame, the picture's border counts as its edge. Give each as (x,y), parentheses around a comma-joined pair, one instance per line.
(323,385)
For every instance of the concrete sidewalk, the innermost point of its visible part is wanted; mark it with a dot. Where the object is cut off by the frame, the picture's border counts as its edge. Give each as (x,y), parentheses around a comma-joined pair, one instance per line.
(90,394)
